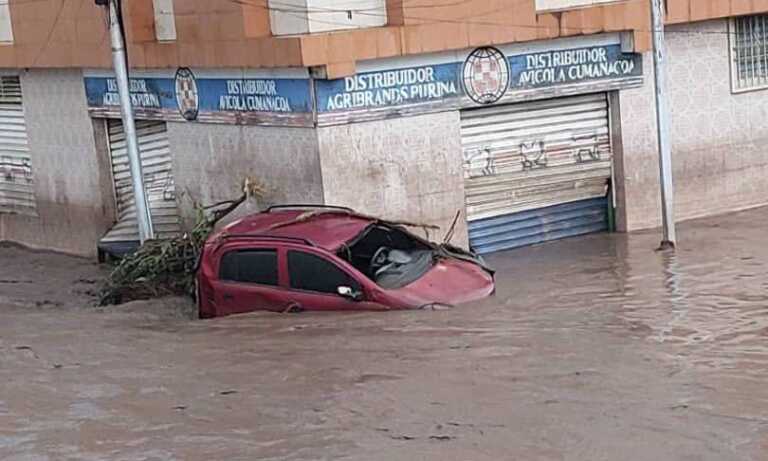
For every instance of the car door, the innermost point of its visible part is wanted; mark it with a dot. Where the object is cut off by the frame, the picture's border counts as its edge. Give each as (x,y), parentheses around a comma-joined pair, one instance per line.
(249,280)
(314,283)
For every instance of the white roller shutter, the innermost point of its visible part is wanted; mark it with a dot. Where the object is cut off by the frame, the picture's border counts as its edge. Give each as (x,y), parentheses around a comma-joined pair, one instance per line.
(17,187)
(157,169)
(533,156)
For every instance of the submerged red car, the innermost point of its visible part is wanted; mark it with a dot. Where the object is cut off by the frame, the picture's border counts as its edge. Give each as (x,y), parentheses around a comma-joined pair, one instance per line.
(294,258)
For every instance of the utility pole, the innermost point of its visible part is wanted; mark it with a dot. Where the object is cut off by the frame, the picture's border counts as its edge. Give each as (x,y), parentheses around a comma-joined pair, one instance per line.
(120,62)
(669,239)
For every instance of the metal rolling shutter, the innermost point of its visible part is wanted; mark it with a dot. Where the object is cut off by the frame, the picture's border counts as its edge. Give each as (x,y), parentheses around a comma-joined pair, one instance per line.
(17,187)
(158,181)
(536,171)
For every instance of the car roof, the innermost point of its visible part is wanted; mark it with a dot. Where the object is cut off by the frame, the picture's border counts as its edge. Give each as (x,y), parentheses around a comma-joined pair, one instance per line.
(328,229)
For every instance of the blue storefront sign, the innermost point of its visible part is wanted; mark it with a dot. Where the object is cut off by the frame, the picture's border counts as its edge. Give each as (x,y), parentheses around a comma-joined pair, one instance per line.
(561,67)
(485,77)
(207,99)
(398,87)
(146,93)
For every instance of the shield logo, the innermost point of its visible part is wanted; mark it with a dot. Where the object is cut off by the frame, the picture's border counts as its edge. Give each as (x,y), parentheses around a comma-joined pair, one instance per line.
(486,75)
(186,94)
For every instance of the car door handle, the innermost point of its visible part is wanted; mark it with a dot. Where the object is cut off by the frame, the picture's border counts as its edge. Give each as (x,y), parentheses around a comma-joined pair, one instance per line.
(228,297)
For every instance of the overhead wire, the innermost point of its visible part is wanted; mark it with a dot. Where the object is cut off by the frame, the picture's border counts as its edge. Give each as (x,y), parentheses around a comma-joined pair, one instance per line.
(375,12)
(50,33)
(292,10)
(292,7)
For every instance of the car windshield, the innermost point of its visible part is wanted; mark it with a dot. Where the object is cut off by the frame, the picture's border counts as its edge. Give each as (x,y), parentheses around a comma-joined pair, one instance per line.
(389,256)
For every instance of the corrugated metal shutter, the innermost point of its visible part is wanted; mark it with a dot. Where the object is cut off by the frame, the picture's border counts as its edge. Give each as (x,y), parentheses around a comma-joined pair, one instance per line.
(17,187)
(539,156)
(158,180)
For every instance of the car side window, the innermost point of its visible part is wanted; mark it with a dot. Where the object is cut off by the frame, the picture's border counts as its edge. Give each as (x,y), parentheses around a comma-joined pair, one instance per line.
(312,273)
(250,266)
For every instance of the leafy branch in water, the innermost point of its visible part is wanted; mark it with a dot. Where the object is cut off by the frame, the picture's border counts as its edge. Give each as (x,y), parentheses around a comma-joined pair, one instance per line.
(167,267)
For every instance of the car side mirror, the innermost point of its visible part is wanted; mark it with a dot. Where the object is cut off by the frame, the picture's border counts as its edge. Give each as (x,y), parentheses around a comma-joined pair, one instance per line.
(349,293)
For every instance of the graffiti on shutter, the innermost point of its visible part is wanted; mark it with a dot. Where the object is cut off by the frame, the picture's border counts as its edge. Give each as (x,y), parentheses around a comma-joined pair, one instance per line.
(536,171)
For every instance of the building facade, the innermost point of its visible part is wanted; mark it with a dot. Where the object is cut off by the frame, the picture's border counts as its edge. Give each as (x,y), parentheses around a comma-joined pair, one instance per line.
(531,119)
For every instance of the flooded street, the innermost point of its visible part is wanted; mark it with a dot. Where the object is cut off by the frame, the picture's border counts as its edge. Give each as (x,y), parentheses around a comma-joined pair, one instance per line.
(595,348)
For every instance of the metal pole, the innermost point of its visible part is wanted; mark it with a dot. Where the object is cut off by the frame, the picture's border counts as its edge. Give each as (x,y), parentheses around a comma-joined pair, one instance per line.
(129,127)
(662,122)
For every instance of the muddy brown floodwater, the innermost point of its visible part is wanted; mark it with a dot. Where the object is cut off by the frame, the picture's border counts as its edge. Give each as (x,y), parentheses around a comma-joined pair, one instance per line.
(594,348)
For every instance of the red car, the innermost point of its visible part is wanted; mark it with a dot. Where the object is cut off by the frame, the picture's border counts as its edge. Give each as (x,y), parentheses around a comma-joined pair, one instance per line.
(294,258)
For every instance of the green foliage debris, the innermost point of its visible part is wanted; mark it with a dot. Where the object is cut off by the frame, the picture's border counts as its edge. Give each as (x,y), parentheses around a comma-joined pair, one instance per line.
(167,267)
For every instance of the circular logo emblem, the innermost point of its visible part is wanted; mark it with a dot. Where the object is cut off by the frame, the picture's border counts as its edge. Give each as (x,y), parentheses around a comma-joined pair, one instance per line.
(486,75)
(186,93)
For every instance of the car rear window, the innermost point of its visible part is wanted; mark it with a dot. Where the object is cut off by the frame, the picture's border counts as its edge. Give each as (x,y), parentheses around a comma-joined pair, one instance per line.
(313,273)
(250,266)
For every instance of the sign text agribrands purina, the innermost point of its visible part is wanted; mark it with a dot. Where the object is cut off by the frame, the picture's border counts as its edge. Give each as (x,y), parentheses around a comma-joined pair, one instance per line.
(388,88)
(141,94)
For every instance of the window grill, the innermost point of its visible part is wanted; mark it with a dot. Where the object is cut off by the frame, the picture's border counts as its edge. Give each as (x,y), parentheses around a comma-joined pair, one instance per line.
(10,89)
(749,52)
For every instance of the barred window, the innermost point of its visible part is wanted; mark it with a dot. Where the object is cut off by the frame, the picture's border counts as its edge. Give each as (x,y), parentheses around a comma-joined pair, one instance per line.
(749,52)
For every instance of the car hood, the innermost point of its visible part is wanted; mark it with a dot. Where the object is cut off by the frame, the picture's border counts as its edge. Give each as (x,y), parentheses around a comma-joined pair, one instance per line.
(450,281)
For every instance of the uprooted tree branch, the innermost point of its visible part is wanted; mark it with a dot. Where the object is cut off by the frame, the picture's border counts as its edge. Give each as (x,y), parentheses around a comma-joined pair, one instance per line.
(167,267)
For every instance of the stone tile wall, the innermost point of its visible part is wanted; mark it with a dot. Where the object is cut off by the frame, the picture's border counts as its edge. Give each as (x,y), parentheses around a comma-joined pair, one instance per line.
(72,179)
(719,139)
(210,161)
(405,168)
